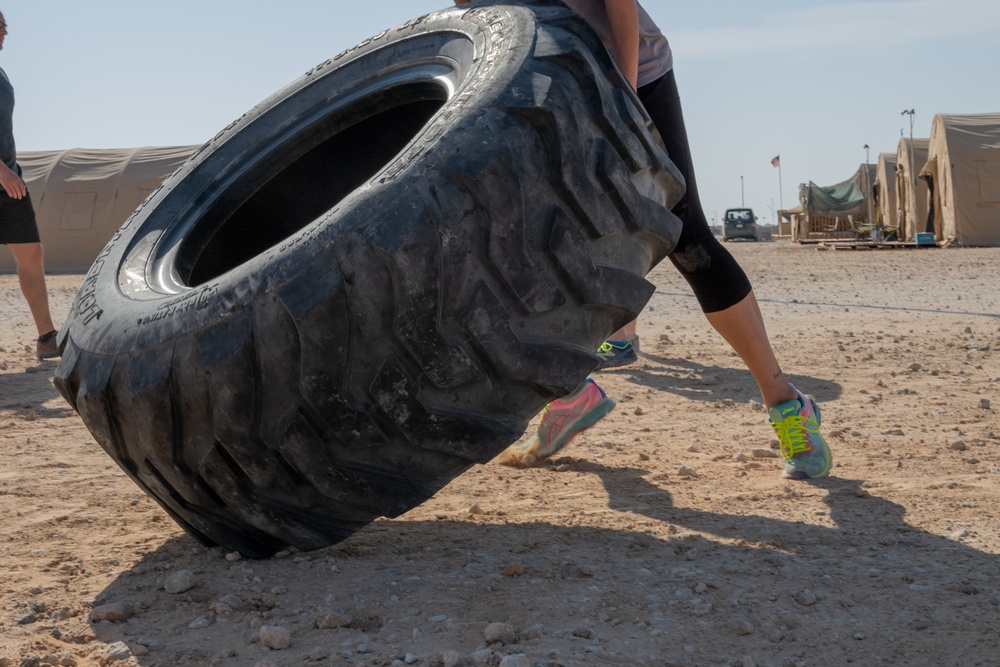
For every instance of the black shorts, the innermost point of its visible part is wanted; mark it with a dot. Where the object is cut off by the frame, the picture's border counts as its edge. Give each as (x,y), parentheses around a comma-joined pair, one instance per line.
(17,220)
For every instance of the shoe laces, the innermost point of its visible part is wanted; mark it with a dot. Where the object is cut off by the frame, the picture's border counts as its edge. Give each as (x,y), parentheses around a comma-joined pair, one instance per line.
(553,422)
(793,433)
(567,408)
(607,347)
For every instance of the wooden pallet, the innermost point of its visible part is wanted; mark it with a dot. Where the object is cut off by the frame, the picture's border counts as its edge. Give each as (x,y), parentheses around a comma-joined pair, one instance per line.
(872,245)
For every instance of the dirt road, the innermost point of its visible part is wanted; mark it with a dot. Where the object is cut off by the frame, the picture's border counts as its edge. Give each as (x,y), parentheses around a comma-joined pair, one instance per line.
(663,536)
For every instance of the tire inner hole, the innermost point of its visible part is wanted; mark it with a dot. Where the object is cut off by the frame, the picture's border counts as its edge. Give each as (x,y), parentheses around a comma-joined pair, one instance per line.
(301,180)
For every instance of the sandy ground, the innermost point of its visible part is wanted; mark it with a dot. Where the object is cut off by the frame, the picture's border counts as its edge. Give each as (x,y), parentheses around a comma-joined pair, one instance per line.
(611,555)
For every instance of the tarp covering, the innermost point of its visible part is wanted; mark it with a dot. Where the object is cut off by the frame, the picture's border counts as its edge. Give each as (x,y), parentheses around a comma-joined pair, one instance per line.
(885,183)
(82,196)
(963,170)
(913,197)
(847,198)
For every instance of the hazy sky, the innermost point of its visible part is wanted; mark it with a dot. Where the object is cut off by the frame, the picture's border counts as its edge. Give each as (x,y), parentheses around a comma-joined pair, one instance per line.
(813,80)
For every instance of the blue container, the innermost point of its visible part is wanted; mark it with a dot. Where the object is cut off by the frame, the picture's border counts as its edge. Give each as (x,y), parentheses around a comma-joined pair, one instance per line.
(925,238)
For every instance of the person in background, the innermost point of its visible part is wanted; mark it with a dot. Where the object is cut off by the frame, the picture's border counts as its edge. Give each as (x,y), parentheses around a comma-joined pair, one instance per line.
(18,229)
(722,288)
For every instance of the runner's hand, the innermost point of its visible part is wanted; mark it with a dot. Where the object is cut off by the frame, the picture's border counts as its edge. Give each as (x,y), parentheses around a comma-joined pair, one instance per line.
(12,183)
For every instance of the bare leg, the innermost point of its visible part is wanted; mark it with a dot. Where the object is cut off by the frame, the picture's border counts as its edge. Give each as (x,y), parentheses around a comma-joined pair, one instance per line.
(742,326)
(624,332)
(31,275)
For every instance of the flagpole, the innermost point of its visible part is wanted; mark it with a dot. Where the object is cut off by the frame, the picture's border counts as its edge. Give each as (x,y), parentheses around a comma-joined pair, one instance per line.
(781,194)
(776,162)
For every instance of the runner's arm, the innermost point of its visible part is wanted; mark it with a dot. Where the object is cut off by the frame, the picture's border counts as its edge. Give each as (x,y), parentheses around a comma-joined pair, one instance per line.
(623,19)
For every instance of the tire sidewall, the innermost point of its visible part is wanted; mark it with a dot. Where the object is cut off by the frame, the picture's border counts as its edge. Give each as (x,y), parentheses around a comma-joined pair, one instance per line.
(122,305)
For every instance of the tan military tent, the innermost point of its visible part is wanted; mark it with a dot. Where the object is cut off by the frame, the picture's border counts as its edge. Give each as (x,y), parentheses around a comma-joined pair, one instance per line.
(963,175)
(885,179)
(83,196)
(912,194)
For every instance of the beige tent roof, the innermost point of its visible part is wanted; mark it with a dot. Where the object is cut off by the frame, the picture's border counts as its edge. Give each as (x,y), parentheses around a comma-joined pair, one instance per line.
(963,168)
(885,178)
(83,196)
(912,194)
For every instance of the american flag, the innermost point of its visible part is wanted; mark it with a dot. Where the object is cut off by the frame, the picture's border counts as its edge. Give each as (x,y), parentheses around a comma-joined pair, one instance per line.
(776,161)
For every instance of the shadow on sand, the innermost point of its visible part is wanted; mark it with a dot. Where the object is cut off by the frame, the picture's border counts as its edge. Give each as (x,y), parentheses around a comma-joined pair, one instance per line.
(673,586)
(689,379)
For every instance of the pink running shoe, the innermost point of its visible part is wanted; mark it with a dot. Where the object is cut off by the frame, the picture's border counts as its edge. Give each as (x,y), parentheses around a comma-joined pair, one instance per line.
(564,418)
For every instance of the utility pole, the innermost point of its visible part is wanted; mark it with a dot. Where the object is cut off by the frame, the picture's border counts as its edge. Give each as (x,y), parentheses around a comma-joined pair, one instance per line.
(910,113)
(743,199)
(868,184)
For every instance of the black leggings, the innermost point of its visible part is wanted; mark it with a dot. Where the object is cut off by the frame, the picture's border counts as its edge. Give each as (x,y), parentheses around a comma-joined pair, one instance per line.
(717,279)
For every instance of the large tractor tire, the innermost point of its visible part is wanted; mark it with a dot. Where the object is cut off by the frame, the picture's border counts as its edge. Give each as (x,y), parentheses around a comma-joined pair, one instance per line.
(374,279)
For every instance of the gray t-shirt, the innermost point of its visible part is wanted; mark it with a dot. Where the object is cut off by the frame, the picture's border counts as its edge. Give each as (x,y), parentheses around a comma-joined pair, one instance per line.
(8,151)
(655,57)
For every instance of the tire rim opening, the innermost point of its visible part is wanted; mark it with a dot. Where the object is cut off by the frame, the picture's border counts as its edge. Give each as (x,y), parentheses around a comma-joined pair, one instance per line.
(298,181)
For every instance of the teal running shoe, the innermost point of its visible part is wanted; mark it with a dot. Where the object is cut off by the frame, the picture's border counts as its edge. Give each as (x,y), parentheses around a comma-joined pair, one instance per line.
(615,353)
(796,423)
